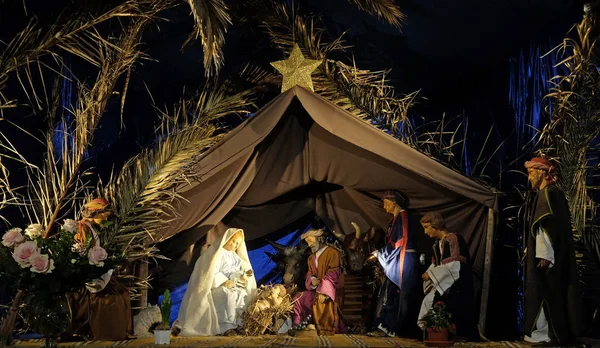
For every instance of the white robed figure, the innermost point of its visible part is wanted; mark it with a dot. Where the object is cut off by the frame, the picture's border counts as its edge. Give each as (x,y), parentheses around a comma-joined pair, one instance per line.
(221,286)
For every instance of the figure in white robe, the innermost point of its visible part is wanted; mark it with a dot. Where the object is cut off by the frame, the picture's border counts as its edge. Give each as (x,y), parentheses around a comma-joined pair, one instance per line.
(449,279)
(221,286)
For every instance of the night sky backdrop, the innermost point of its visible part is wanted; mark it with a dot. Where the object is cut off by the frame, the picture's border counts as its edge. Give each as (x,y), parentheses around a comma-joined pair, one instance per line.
(459,53)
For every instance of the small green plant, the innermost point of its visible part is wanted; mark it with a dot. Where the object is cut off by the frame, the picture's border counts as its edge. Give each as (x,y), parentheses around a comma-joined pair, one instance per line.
(438,318)
(165,309)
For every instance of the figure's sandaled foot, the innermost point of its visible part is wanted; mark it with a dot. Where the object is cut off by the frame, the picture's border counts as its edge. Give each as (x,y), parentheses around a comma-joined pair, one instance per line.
(376,333)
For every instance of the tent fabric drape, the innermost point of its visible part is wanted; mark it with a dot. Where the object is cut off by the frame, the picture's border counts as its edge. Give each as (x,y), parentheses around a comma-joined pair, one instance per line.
(300,154)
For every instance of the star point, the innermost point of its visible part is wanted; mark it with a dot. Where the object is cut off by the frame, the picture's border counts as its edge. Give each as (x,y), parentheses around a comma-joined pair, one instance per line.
(296,70)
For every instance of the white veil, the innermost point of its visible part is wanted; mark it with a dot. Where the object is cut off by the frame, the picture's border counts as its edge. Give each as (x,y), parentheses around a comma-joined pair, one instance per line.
(197,315)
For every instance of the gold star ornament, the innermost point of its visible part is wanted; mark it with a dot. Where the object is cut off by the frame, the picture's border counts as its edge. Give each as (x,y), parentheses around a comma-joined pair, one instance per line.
(296,70)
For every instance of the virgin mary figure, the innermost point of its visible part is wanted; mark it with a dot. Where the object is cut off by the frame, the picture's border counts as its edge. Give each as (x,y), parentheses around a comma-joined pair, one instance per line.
(221,286)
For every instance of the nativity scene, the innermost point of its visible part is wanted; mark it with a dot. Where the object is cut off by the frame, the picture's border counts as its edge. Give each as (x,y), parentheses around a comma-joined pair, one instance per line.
(309,209)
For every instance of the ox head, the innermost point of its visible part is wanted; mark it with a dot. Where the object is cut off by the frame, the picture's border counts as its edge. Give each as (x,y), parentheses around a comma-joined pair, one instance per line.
(359,246)
(292,262)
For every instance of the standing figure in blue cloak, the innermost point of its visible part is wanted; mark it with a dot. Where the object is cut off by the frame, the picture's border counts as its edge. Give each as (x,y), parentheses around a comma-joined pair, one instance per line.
(398,301)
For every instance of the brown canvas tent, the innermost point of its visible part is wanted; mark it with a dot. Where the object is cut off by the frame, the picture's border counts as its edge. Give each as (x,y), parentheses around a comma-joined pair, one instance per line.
(301,153)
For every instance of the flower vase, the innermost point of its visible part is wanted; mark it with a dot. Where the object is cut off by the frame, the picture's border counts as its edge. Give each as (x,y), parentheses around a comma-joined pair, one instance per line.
(434,335)
(48,315)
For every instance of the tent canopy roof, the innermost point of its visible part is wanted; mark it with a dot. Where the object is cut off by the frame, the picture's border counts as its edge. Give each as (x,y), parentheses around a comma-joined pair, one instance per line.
(301,154)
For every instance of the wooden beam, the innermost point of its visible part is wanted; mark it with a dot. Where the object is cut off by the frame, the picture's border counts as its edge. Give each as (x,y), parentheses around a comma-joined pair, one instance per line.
(487,270)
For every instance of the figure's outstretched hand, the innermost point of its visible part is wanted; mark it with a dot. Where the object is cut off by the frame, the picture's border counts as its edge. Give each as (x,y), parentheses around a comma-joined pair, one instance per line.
(371,258)
(322,298)
(315,282)
(425,276)
(228,284)
(543,264)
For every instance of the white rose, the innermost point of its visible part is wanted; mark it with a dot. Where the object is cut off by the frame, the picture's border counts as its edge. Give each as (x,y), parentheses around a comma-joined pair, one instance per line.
(34,230)
(97,255)
(23,253)
(13,237)
(70,225)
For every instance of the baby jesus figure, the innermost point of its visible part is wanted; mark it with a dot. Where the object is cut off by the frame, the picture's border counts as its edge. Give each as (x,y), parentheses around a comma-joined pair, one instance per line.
(270,298)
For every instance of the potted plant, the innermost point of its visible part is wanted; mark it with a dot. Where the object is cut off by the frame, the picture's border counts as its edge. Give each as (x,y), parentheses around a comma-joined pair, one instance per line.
(162,330)
(438,323)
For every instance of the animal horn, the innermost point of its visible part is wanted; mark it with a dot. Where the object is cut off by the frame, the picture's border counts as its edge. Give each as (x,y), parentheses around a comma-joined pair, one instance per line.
(277,246)
(357,229)
(273,257)
(339,236)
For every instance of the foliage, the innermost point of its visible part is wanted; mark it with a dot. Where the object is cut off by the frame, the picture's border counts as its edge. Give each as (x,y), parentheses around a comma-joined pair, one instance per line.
(212,17)
(571,137)
(145,185)
(63,263)
(76,31)
(438,319)
(364,93)
(165,308)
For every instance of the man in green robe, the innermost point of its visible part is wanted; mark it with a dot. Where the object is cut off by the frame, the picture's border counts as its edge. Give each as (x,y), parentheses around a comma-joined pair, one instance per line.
(552,297)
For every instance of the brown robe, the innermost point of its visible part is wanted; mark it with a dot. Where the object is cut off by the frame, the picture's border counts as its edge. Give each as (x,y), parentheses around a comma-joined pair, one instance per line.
(326,315)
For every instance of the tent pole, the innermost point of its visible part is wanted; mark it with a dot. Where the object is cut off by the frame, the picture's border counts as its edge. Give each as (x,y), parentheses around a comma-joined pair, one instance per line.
(487,271)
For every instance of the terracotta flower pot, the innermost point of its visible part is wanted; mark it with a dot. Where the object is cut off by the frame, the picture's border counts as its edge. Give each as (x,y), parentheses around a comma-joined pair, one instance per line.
(437,336)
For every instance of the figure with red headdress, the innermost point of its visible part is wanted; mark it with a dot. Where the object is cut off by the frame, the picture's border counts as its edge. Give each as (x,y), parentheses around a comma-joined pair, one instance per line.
(552,297)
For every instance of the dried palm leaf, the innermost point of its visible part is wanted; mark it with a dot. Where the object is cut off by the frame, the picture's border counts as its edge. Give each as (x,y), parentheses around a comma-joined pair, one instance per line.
(575,121)
(385,9)
(54,187)
(570,137)
(145,188)
(74,32)
(366,94)
(90,109)
(212,19)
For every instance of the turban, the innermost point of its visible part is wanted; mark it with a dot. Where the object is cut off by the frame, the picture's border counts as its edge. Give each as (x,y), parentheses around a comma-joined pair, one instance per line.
(395,197)
(315,233)
(542,164)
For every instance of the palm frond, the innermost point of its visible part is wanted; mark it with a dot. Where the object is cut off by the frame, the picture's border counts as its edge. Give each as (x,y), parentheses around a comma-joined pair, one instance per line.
(384,9)
(575,122)
(75,33)
(212,19)
(55,187)
(90,109)
(145,186)
(366,94)
(570,138)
